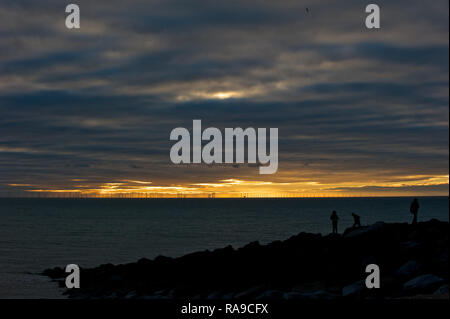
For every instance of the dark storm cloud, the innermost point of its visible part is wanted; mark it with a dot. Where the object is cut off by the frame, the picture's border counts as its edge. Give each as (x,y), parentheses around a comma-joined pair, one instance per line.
(100,102)
(190,15)
(433,54)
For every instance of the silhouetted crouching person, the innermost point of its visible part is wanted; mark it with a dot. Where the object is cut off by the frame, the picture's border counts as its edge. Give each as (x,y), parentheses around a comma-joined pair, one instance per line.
(334,219)
(356,220)
(414,209)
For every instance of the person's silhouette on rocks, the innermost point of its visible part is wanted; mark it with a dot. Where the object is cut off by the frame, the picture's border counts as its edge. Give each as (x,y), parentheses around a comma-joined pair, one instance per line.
(356,220)
(414,209)
(334,219)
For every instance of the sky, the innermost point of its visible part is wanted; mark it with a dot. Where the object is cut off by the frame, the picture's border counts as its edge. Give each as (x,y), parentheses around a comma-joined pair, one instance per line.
(89,111)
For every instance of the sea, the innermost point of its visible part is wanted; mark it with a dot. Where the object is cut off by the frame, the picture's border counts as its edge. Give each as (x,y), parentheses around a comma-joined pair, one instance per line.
(39,233)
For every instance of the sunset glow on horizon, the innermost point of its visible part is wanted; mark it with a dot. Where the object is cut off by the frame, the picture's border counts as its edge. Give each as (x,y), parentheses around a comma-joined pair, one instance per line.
(236,188)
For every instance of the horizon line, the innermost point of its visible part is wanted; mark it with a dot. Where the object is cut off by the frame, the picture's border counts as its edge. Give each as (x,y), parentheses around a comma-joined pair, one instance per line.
(212,198)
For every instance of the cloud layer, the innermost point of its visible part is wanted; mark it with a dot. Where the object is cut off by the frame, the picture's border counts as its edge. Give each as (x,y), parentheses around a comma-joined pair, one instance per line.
(359,111)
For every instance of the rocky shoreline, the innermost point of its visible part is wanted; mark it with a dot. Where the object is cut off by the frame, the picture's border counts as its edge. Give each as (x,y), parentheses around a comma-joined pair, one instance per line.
(413,262)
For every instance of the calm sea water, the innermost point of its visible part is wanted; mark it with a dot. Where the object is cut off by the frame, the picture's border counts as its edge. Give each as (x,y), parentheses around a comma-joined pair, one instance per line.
(40,233)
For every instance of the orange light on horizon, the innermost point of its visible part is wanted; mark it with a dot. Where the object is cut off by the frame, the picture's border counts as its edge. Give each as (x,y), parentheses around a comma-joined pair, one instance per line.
(236,188)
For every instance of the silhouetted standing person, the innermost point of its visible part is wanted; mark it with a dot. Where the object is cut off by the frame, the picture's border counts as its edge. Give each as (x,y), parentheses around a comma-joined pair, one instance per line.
(356,220)
(414,209)
(334,219)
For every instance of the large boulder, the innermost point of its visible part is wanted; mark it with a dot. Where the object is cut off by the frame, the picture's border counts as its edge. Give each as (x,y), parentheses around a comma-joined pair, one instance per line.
(353,232)
(271,294)
(153,297)
(294,295)
(376,226)
(355,289)
(131,295)
(228,296)
(442,290)
(250,293)
(409,269)
(443,260)
(358,231)
(423,284)
(215,295)
(320,295)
